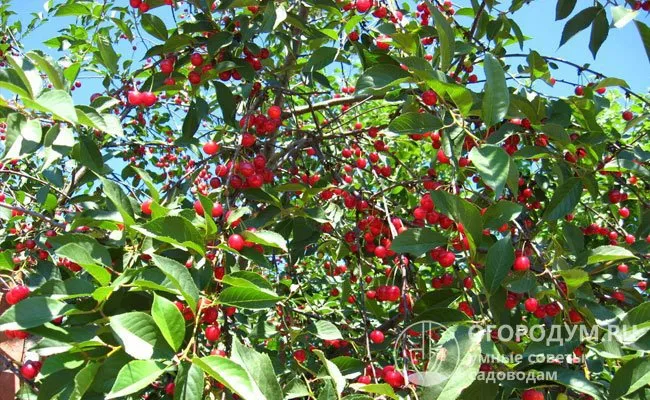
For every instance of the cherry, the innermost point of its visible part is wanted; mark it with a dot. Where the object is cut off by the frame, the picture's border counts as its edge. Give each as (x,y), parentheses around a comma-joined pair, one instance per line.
(380,252)
(579,91)
(210,148)
(145,207)
(363,6)
(377,336)
(169,388)
(148,99)
(364,379)
(624,212)
(217,210)
(274,112)
(16,294)
(531,304)
(628,116)
(643,285)
(623,268)
(134,97)
(394,378)
(429,98)
(447,259)
(236,242)
(198,207)
(575,317)
(30,369)
(300,355)
(468,283)
(532,394)
(196,59)
(522,263)
(618,295)
(213,333)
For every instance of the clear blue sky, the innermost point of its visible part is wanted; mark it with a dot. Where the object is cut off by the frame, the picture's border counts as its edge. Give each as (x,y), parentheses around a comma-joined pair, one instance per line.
(622,55)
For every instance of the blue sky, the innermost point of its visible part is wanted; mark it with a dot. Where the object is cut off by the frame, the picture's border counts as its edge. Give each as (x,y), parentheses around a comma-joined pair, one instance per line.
(622,55)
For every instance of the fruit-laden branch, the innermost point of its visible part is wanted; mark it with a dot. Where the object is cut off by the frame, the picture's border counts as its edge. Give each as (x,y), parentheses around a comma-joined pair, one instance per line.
(34,214)
(329,103)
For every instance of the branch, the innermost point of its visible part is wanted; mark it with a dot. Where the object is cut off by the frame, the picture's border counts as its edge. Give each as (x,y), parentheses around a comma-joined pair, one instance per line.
(34,214)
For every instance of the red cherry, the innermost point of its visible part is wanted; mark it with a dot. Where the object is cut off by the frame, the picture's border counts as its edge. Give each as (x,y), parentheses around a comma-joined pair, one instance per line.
(447,259)
(210,148)
(380,252)
(624,212)
(575,317)
(236,242)
(628,116)
(169,388)
(623,268)
(148,99)
(618,295)
(198,207)
(16,294)
(394,378)
(429,98)
(532,394)
(213,333)
(30,369)
(522,263)
(274,112)
(194,78)
(196,59)
(300,356)
(531,304)
(643,285)
(134,97)
(145,207)
(377,337)
(363,6)
(579,91)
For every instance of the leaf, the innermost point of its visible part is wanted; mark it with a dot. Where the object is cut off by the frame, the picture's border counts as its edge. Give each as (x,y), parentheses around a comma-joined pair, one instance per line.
(121,202)
(325,330)
(174,230)
(579,22)
(135,376)
(461,211)
(417,241)
(500,259)
(608,253)
(86,152)
(564,8)
(231,375)
(320,58)
(446,37)
(259,367)
(632,376)
(52,70)
(644,32)
(376,388)
(564,200)
(574,278)
(138,333)
(23,136)
(226,102)
(108,56)
(189,382)
(538,66)
(87,255)
(493,164)
(621,16)
(608,82)
(248,298)
(169,320)
(599,31)
(146,178)
(32,312)
(84,379)
(266,238)
(197,111)
(496,98)
(414,123)
(27,73)
(154,26)
(574,380)
(332,371)
(180,278)
(380,76)
(59,103)
(501,212)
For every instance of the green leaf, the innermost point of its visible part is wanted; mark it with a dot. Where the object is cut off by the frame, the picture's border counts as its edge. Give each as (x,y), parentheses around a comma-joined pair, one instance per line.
(259,367)
(266,238)
(189,382)
(154,26)
(169,320)
(417,241)
(180,278)
(380,76)
(32,312)
(23,136)
(414,123)
(248,298)
(500,258)
(49,66)
(383,389)
(121,202)
(644,32)
(135,376)
(461,211)
(108,56)
(599,31)
(174,230)
(631,377)
(59,103)
(27,73)
(493,164)
(6,261)
(325,330)
(320,58)
(197,112)
(579,22)
(138,334)
(574,278)
(608,82)
(231,375)
(574,380)
(86,152)
(84,379)
(538,66)
(564,200)
(496,98)
(608,253)
(226,102)
(332,371)
(563,8)
(446,37)
(501,212)
(90,257)
(621,16)
(146,178)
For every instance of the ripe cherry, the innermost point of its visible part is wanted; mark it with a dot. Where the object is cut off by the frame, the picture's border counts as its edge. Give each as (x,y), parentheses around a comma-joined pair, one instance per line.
(16,294)
(522,263)
(532,394)
(196,59)
(623,268)
(579,91)
(429,98)
(628,116)
(236,242)
(377,336)
(210,148)
(213,332)
(30,369)
(624,212)
(618,295)
(363,6)
(169,388)
(145,207)
(531,304)
(274,112)
(300,356)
